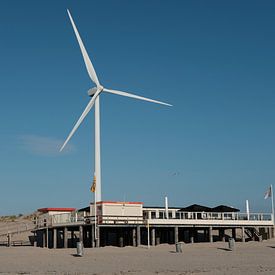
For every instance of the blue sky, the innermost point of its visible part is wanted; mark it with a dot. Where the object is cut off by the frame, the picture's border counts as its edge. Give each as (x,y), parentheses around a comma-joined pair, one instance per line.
(213,60)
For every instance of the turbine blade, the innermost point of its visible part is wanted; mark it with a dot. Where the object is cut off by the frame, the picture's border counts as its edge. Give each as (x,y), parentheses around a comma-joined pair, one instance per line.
(84,114)
(88,63)
(135,96)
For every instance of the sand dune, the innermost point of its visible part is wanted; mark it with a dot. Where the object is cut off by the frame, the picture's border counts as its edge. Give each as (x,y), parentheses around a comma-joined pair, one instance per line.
(20,229)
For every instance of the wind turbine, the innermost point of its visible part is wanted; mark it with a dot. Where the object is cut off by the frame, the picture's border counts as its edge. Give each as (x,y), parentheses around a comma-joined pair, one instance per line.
(95,94)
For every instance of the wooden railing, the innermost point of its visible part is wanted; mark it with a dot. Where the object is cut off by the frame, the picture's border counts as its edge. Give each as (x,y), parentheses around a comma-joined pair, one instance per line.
(212,216)
(61,219)
(15,228)
(111,219)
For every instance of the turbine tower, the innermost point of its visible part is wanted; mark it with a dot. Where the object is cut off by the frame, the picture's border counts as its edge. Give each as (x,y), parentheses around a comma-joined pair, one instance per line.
(94,93)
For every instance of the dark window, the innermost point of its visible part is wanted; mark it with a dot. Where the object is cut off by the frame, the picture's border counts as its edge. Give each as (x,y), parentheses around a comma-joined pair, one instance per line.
(177,215)
(170,215)
(153,215)
(161,215)
(145,215)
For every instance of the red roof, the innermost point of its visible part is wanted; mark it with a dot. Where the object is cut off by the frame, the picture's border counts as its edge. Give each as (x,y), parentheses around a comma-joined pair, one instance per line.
(57,209)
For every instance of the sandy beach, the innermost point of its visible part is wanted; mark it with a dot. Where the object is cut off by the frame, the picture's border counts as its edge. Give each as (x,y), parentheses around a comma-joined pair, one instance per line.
(200,258)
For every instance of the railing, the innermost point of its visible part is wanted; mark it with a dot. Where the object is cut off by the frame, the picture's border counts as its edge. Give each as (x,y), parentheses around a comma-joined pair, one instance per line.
(65,218)
(15,227)
(216,216)
(70,218)
(56,219)
(112,219)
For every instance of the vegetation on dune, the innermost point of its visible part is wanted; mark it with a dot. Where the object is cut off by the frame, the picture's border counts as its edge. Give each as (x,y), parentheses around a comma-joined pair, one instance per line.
(13,218)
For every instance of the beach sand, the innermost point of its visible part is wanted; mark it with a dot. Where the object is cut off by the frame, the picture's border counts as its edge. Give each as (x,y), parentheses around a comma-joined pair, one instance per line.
(199,258)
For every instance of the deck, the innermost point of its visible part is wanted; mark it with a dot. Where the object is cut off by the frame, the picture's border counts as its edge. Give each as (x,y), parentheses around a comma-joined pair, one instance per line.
(64,230)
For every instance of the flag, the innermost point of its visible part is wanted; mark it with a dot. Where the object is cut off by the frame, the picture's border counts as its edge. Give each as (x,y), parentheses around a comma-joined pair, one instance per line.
(268,193)
(93,185)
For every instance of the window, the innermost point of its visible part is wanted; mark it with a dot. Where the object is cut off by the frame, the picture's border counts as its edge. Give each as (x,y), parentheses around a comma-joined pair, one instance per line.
(153,214)
(145,215)
(161,214)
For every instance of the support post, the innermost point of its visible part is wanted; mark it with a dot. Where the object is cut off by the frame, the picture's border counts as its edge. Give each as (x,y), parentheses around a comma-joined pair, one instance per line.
(54,238)
(221,234)
(138,235)
(92,236)
(81,233)
(88,236)
(153,237)
(206,235)
(243,234)
(98,236)
(148,234)
(234,233)
(120,240)
(158,237)
(47,237)
(191,234)
(269,232)
(211,234)
(176,234)
(72,238)
(44,238)
(35,243)
(134,237)
(195,234)
(65,236)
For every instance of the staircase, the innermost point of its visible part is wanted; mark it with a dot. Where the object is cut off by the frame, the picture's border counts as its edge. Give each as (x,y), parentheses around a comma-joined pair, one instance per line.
(20,230)
(253,234)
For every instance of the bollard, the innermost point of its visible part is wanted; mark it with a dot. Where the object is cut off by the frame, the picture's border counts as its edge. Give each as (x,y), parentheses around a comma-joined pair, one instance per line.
(178,248)
(79,249)
(120,241)
(231,244)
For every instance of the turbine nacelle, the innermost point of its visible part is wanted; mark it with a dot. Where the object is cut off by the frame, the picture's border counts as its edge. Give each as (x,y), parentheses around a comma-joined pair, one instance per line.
(93,90)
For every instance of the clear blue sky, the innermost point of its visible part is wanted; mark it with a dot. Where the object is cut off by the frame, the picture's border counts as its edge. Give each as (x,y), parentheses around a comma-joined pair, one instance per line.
(213,60)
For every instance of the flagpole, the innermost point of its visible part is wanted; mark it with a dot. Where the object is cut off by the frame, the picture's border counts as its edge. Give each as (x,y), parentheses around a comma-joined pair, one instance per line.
(272,202)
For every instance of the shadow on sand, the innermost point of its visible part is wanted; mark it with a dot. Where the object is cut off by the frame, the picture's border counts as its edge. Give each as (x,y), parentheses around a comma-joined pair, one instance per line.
(225,249)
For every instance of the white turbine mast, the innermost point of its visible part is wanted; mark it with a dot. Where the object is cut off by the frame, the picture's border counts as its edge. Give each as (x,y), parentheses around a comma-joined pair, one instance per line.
(95,93)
